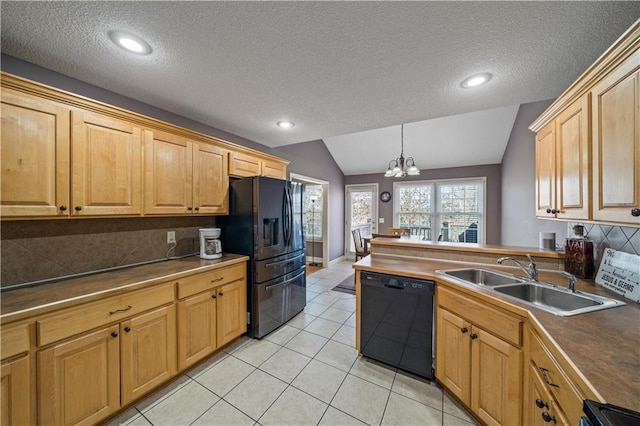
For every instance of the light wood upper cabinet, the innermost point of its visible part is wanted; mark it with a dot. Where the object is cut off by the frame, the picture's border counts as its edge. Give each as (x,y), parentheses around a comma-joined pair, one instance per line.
(184,177)
(616,144)
(15,392)
(168,174)
(563,165)
(210,179)
(546,170)
(148,351)
(245,165)
(106,166)
(35,156)
(79,380)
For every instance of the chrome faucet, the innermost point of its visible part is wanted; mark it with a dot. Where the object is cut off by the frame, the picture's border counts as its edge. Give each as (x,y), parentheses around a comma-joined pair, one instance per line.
(571,285)
(531,270)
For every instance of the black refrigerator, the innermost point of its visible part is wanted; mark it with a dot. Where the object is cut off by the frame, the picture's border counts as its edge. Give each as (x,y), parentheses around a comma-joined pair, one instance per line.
(265,223)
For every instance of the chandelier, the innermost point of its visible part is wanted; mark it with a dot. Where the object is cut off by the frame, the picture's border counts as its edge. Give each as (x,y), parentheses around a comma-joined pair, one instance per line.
(400,167)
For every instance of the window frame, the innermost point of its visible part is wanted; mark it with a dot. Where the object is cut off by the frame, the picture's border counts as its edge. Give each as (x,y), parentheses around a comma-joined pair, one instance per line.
(436,213)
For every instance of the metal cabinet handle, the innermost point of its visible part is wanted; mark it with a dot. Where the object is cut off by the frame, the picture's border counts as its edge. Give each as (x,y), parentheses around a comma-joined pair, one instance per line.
(635,212)
(464,329)
(541,404)
(127,329)
(114,334)
(78,208)
(120,310)
(213,296)
(474,336)
(197,208)
(63,208)
(548,418)
(544,372)
(217,279)
(220,294)
(189,208)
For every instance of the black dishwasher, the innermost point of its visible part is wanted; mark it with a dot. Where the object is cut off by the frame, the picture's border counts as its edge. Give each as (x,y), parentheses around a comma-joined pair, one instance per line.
(396,321)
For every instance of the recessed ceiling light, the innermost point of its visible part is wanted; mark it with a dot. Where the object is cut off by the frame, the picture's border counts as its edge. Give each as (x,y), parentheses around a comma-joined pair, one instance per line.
(285,124)
(476,80)
(129,42)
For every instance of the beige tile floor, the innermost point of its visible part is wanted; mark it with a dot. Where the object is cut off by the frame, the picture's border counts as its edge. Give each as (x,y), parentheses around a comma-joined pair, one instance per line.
(305,373)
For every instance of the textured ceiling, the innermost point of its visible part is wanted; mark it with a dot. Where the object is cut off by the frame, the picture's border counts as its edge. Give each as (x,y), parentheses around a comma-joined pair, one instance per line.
(334,68)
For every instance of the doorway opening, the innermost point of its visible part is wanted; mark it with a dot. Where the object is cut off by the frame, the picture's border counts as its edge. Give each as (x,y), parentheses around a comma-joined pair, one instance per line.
(361,212)
(315,219)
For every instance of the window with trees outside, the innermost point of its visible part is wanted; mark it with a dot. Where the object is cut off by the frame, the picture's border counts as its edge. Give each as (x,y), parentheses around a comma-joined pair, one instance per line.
(451,210)
(313,211)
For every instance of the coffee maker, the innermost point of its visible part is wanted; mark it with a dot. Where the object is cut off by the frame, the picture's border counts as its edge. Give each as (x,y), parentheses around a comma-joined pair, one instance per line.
(210,246)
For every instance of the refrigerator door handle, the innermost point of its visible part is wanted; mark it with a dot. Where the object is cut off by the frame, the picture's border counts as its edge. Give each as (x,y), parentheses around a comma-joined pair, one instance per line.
(290,280)
(282,262)
(286,217)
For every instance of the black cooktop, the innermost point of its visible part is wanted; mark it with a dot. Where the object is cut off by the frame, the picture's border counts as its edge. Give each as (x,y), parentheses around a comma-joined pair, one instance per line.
(610,415)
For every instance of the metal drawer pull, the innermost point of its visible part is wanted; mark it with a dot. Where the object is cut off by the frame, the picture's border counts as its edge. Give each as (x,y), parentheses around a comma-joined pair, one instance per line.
(546,378)
(464,329)
(541,404)
(217,279)
(120,310)
(548,418)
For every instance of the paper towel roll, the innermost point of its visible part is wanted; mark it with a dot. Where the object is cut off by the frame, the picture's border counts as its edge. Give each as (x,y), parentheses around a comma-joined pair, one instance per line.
(548,240)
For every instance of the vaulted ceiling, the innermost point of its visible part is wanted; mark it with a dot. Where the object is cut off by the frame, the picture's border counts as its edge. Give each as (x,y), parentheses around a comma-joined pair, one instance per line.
(346,72)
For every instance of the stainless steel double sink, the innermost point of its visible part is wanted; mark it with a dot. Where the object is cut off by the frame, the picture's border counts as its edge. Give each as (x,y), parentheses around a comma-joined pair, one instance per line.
(551,298)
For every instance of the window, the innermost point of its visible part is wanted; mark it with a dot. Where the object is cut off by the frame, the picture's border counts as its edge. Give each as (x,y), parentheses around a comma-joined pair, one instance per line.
(313,211)
(450,210)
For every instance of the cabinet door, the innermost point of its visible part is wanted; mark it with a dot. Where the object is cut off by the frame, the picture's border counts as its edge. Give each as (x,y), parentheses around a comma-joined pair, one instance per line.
(196,328)
(210,180)
(232,311)
(34,151)
(15,408)
(274,169)
(573,154)
(546,171)
(496,379)
(106,166)
(616,144)
(148,351)
(78,381)
(244,165)
(168,174)
(453,354)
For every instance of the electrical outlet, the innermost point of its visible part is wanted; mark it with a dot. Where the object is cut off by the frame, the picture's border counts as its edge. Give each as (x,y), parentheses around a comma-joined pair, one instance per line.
(171,237)
(381,220)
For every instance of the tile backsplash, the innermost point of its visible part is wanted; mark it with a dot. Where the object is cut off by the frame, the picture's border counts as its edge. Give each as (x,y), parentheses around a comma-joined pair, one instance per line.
(621,238)
(36,250)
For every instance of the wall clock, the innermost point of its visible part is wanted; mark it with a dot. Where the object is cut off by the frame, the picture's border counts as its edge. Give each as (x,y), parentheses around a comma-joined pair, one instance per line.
(385,196)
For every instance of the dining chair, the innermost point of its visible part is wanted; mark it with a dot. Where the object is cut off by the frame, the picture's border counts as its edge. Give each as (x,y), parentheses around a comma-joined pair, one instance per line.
(361,250)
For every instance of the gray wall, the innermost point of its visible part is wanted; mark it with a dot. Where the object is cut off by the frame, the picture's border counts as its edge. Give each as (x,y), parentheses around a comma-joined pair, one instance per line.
(494,197)
(312,159)
(519,224)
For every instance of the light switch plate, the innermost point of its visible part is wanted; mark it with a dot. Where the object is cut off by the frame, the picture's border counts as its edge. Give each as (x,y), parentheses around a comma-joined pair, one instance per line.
(381,220)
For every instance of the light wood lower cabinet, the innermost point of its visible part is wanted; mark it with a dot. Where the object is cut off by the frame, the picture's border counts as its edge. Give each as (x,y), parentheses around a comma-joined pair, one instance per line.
(232,311)
(15,392)
(196,328)
(148,352)
(542,408)
(79,380)
(211,319)
(87,378)
(482,370)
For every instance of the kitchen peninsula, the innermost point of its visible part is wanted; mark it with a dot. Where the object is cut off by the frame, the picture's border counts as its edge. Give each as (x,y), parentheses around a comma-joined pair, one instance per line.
(589,356)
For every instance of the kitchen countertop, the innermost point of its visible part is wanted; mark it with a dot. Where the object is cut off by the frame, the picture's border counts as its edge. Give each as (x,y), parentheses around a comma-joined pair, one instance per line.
(603,345)
(26,302)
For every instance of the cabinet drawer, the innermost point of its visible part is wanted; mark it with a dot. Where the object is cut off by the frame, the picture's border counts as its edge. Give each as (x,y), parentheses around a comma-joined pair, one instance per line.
(15,340)
(497,322)
(208,280)
(91,315)
(556,381)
